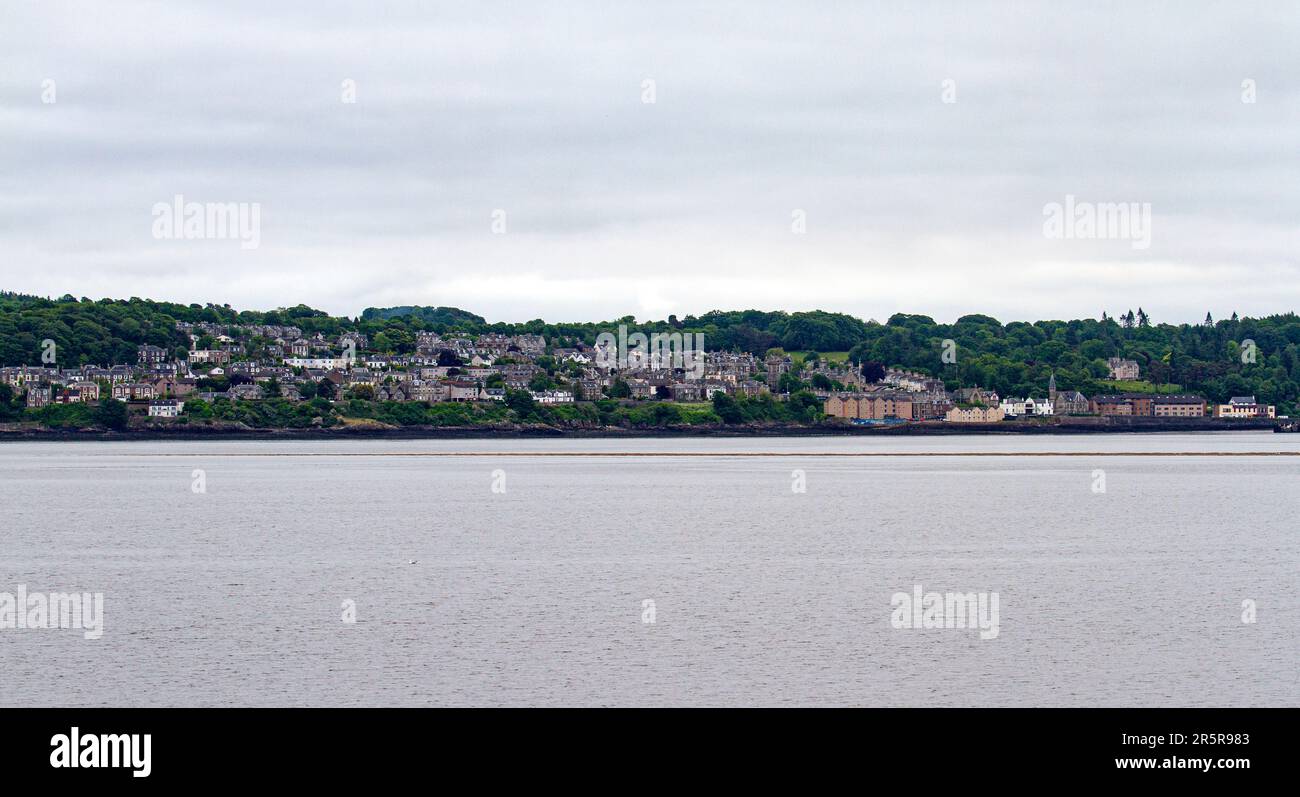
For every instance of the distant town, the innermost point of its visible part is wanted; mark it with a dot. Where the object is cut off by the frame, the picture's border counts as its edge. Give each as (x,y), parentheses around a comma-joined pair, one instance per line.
(911,396)
(337,378)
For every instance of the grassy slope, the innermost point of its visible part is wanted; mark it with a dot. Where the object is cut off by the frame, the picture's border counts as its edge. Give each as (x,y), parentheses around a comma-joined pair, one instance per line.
(1116,386)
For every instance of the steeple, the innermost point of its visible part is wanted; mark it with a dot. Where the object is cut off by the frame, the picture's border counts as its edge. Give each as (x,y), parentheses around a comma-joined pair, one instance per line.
(1051,388)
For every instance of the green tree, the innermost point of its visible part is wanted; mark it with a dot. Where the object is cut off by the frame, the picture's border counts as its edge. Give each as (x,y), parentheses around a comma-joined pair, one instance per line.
(7,409)
(112,414)
(198,408)
(522,404)
(726,408)
(789,383)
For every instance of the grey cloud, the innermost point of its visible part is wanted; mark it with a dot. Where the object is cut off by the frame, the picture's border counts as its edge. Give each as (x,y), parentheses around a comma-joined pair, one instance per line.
(762,108)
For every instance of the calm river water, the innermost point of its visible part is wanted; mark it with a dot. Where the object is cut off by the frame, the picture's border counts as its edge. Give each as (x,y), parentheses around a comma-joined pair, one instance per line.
(497,573)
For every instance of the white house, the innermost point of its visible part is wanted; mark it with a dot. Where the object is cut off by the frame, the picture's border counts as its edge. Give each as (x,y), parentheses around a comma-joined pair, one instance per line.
(1245,407)
(166,408)
(325,363)
(553,397)
(1017,407)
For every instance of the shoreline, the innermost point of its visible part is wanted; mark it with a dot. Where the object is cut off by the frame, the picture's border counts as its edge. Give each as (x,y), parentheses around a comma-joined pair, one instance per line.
(1091,427)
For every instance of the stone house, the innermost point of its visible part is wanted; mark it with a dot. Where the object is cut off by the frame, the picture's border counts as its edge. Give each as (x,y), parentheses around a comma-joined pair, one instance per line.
(39,396)
(975,414)
(1122,370)
(134,391)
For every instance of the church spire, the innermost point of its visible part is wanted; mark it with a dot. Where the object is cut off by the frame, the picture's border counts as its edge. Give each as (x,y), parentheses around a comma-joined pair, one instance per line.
(1051,387)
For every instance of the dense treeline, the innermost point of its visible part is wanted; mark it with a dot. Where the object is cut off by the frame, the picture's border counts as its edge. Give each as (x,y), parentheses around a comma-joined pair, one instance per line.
(1015,358)
(446,316)
(518,408)
(1018,358)
(83,332)
(753,331)
(108,331)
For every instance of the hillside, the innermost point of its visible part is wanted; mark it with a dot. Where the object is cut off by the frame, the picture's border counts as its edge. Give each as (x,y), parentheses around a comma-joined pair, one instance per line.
(1014,358)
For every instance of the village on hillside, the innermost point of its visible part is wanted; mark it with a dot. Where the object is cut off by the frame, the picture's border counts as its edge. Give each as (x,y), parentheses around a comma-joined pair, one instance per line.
(251,363)
(909,396)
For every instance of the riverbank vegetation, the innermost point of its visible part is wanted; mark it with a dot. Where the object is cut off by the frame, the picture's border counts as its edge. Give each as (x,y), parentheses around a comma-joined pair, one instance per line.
(1216,359)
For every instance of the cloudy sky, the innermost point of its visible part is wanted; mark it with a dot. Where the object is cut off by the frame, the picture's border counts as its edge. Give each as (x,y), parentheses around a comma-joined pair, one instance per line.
(856,157)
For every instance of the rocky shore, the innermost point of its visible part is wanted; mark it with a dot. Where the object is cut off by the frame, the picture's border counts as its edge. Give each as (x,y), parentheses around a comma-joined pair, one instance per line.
(1055,426)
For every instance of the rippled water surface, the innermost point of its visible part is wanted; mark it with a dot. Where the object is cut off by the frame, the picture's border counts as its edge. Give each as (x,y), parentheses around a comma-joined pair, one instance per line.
(762,595)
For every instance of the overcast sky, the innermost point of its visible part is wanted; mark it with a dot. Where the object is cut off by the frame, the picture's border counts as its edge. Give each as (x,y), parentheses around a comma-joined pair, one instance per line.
(615,205)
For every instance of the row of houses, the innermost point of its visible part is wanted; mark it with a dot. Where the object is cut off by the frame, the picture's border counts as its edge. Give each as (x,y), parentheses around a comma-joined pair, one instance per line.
(1128,404)
(438,392)
(88,392)
(482,368)
(220,331)
(1146,405)
(880,406)
(1179,406)
(975,405)
(1244,407)
(1149,405)
(888,405)
(874,406)
(78,393)
(17,377)
(492,344)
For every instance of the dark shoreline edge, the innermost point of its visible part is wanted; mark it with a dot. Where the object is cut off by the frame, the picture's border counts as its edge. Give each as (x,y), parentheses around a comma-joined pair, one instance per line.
(516,433)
